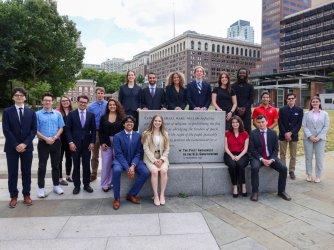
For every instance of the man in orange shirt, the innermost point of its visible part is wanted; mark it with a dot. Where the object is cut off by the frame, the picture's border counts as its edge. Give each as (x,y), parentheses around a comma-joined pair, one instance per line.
(266,109)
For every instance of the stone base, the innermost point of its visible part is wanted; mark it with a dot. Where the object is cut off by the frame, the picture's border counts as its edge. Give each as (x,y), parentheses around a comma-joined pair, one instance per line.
(203,179)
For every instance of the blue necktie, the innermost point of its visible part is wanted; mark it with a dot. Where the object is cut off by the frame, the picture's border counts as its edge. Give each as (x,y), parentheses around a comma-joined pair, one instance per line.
(199,87)
(128,136)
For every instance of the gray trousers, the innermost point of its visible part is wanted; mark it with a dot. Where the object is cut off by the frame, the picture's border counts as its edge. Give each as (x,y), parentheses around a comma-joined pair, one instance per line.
(318,148)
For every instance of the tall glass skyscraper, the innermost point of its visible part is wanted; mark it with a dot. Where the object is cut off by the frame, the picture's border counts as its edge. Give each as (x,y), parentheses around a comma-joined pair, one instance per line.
(241,30)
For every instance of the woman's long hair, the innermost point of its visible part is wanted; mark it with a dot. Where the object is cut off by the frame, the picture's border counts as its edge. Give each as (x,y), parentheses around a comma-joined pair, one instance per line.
(148,133)
(241,124)
(170,79)
(70,108)
(228,85)
(120,113)
(317,98)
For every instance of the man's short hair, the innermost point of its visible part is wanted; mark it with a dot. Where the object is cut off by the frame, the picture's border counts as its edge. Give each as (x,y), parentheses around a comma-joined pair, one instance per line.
(19,89)
(47,94)
(83,97)
(128,117)
(260,117)
(199,67)
(101,89)
(152,73)
(290,94)
(264,93)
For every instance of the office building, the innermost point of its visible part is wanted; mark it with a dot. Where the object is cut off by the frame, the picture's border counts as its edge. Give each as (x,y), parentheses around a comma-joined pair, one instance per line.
(113,65)
(241,30)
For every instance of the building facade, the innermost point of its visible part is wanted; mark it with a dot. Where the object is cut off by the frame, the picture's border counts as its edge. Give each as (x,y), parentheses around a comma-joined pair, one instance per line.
(82,87)
(138,64)
(190,49)
(273,11)
(113,65)
(241,30)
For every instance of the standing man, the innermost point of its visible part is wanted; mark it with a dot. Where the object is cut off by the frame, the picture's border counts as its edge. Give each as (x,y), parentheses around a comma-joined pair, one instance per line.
(199,91)
(153,98)
(263,146)
(128,153)
(81,135)
(266,109)
(289,124)
(98,108)
(50,125)
(245,98)
(19,127)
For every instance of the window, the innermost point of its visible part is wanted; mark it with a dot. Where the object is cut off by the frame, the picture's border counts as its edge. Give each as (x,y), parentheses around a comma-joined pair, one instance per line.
(213,48)
(192,45)
(218,48)
(199,45)
(241,51)
(228,49)
(206,46)
(223,49)
(246,52)
(237,51)
(232,50)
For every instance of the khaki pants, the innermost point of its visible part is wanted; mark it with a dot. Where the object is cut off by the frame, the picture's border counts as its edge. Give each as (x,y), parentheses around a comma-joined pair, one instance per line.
(95,155)
(293,153)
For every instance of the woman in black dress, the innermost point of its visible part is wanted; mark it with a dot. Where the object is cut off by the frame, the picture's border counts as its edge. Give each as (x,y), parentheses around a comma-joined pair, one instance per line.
(129,96)
(224,98)
(175,92)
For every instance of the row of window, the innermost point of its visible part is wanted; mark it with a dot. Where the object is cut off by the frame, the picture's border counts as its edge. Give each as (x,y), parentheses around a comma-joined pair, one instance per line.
(308,65)
(168,51)
(270,19)
(269,6)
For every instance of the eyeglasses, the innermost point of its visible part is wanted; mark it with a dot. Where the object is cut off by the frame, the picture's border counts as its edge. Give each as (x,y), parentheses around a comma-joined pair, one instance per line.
(64,100)
(18,95)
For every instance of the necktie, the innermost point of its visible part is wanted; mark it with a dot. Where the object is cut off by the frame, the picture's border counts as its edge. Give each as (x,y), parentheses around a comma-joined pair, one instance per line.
(128,136)
(82,119)
(199,87)
(264,151)
(152,92)
(21,114)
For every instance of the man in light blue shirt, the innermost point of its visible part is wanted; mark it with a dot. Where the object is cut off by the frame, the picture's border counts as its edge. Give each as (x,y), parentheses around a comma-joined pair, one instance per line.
(50,125)
(98,108)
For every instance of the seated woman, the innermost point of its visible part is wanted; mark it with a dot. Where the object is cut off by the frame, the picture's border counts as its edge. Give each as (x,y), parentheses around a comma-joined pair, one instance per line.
(110,124)
(236,157)
(176,98)
(156,148)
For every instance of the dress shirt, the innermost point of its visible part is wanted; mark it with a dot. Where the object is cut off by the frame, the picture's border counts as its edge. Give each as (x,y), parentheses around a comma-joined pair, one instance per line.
(98,108)
(18,109)
(48,123)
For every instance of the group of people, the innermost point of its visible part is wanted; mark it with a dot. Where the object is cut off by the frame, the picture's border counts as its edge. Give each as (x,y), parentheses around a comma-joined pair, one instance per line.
(112,127)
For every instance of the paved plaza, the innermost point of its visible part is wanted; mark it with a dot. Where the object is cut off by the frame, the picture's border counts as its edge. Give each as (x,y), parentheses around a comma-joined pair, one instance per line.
(88,221)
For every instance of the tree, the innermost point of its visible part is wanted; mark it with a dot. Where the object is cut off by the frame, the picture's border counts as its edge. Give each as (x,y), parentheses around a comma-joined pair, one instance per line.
(38,45)
(140,78)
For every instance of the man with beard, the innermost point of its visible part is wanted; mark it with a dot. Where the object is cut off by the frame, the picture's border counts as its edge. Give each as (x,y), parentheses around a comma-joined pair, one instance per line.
(153,98)
(245,97)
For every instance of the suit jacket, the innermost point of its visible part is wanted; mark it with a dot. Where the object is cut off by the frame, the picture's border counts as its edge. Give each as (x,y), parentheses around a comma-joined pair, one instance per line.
(122,148)
(130,98)
(150,148)
(318,128)
(290,121)
(16,132)
(255,144)
(175,99)
(155,103)
(78,134)
(195,99)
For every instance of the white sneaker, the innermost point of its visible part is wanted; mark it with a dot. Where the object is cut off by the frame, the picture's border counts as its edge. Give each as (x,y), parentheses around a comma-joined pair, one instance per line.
(41,193)
(58,190)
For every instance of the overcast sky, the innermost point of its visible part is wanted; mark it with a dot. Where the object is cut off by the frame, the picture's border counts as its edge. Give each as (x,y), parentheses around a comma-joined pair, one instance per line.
(124,28)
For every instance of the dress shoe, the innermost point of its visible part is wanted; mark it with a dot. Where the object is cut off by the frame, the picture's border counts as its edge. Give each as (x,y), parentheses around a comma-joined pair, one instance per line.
(133,199)
(116,204)
(162,200)
(156,201)
(244,194)
(284,196)
(63,182)
(69,179)
(88,189)
(106,189)
(292,175)
(27,200)
(92,178)
(13,202)
(76,190)
(254,197)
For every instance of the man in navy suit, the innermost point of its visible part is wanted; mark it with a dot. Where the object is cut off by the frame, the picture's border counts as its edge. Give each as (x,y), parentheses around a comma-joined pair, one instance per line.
(81,135)
(289,123)
(199,91)
(263,146)
(128,154)
(19,127)
(153,98)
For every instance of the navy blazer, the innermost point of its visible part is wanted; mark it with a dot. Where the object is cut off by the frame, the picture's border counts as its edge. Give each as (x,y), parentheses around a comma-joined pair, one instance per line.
(155,103)
(255,144)
(290,121)
(195,99)
(16,132)
(121,149)
(76,133)
(175,99)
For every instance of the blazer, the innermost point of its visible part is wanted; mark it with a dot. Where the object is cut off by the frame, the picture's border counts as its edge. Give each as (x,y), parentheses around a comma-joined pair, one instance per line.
(255,144)
(155,103)
(130,98)
(16,132)
(318,128)
(150,148)
(175,99)
(76,133)
(127,154)
(290,121)
(195,99)
(109,129)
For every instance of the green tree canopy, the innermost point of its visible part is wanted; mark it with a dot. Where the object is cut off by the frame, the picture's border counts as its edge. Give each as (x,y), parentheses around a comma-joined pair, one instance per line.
(38,45)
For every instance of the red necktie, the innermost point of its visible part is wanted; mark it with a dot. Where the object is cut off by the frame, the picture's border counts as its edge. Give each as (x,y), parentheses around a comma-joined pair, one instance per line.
(264,151)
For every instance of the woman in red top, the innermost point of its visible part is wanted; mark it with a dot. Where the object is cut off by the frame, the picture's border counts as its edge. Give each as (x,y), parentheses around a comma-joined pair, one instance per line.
(236,157)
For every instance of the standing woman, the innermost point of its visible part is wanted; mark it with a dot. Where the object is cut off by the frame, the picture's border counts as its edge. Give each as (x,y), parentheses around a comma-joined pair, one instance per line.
(176,98)
(236,157)
(110,124)
(129,96)
(64,108)
(224,98)
(315,124)
(156,148)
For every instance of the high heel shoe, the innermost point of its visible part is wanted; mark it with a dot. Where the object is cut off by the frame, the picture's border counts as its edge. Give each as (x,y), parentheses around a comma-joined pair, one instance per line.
(244,194)
(235,195)
(156,201)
